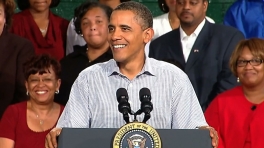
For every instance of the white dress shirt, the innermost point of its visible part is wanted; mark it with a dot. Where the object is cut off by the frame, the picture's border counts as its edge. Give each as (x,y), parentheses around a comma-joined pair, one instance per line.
(188,41)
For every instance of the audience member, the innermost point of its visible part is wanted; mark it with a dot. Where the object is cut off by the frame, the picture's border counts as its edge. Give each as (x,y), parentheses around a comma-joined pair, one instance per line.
(168,21)
(44,29)
(14,51)
(92,102)
(247,16)
(77,39)
(91,20)
(25,124)
(202,48)
(237,114)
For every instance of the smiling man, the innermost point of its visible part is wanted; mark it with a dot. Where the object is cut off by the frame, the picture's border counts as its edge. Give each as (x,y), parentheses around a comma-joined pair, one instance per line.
(92,102)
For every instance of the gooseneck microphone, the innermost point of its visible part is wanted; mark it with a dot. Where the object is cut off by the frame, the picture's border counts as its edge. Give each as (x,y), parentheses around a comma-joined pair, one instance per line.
(123,106)
(146,105)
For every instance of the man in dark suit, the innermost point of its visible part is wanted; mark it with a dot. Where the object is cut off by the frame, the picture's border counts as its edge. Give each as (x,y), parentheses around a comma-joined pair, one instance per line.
(203,50)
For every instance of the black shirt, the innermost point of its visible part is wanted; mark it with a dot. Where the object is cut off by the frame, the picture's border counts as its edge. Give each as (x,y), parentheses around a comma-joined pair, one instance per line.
(71,66)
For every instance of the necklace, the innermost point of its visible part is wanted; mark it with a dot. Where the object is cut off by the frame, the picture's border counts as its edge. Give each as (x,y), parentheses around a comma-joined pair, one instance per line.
(43,30)
(41,121)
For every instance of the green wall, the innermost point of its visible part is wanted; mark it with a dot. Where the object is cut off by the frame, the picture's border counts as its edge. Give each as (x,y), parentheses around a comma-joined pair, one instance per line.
(216,9)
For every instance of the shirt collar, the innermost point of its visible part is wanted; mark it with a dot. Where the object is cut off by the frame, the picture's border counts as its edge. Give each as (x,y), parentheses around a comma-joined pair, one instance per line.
(196,31)
(113,68)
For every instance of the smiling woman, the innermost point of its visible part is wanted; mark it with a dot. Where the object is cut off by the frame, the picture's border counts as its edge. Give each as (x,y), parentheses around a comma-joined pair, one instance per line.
(38,115)
(238,113)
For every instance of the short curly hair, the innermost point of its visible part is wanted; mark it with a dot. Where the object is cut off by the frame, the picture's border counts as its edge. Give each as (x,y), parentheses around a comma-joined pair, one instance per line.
(9,6)
(80,11)
(24,4)
(40,64)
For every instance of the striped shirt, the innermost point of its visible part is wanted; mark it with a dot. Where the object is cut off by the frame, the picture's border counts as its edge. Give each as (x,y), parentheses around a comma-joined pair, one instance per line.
(93,102)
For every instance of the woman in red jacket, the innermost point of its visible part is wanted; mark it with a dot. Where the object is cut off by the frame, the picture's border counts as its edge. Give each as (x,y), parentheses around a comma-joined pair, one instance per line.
(238,114)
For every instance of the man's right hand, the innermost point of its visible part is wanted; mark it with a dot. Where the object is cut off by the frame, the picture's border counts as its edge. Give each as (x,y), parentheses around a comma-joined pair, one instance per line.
(51,141)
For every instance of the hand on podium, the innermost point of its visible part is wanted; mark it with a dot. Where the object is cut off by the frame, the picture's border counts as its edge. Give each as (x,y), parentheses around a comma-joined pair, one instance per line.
(51,138)
(213,134)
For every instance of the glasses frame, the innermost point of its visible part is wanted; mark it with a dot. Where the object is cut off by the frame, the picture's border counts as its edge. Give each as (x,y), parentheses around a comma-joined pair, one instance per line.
(250,62)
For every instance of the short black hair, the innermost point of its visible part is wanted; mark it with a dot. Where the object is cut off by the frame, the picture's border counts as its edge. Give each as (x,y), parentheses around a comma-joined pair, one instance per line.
(24,4)
(141,12)
(40,64)
(163,6)
(80,11)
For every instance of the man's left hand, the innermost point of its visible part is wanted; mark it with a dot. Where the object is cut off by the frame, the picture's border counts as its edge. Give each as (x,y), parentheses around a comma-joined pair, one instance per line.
(213,134)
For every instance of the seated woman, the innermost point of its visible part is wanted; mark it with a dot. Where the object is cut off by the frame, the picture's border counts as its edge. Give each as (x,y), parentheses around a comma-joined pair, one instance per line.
(45,30)
(91,20)
(25,124)
(14,51)
(237,114)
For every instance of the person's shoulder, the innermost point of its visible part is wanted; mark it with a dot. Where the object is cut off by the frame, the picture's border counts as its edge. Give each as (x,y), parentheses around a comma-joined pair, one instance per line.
(60,19)
(230,94)
(165,37)
(237,4)
(18,40)
(18,106)
(161,17)
(98,68)
(223,29)
(162,66)
(20,14)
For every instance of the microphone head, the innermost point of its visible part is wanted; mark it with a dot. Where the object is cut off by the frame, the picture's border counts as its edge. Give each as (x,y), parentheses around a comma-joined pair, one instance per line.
(144,94)
(121,94)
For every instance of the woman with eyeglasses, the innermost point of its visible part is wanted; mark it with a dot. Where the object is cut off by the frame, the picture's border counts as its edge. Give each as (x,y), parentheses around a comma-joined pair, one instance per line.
(238,114)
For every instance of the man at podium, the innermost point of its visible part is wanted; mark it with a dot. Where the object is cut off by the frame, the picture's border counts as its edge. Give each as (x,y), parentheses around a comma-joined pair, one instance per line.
(92,102)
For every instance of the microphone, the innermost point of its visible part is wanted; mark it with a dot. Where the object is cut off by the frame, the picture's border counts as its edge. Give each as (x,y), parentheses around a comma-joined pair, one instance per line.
(146,105)
(253,107)
(123,106)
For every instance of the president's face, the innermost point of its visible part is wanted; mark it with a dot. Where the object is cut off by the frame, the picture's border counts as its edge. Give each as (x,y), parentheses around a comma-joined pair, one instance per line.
(126,37)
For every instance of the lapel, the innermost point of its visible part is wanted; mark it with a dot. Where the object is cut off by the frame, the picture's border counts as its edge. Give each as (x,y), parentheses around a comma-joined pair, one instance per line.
(176,47)
(199,47)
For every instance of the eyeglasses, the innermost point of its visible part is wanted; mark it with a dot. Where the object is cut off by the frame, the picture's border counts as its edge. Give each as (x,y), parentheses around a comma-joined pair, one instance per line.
(253,62)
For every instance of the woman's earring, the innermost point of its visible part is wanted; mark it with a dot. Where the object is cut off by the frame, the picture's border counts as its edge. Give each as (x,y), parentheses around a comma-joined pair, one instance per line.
(238,80)
(57,92)
(27,93)
(163,7)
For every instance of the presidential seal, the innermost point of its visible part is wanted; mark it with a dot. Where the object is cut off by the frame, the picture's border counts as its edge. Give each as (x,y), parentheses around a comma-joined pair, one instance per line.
(136,135)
